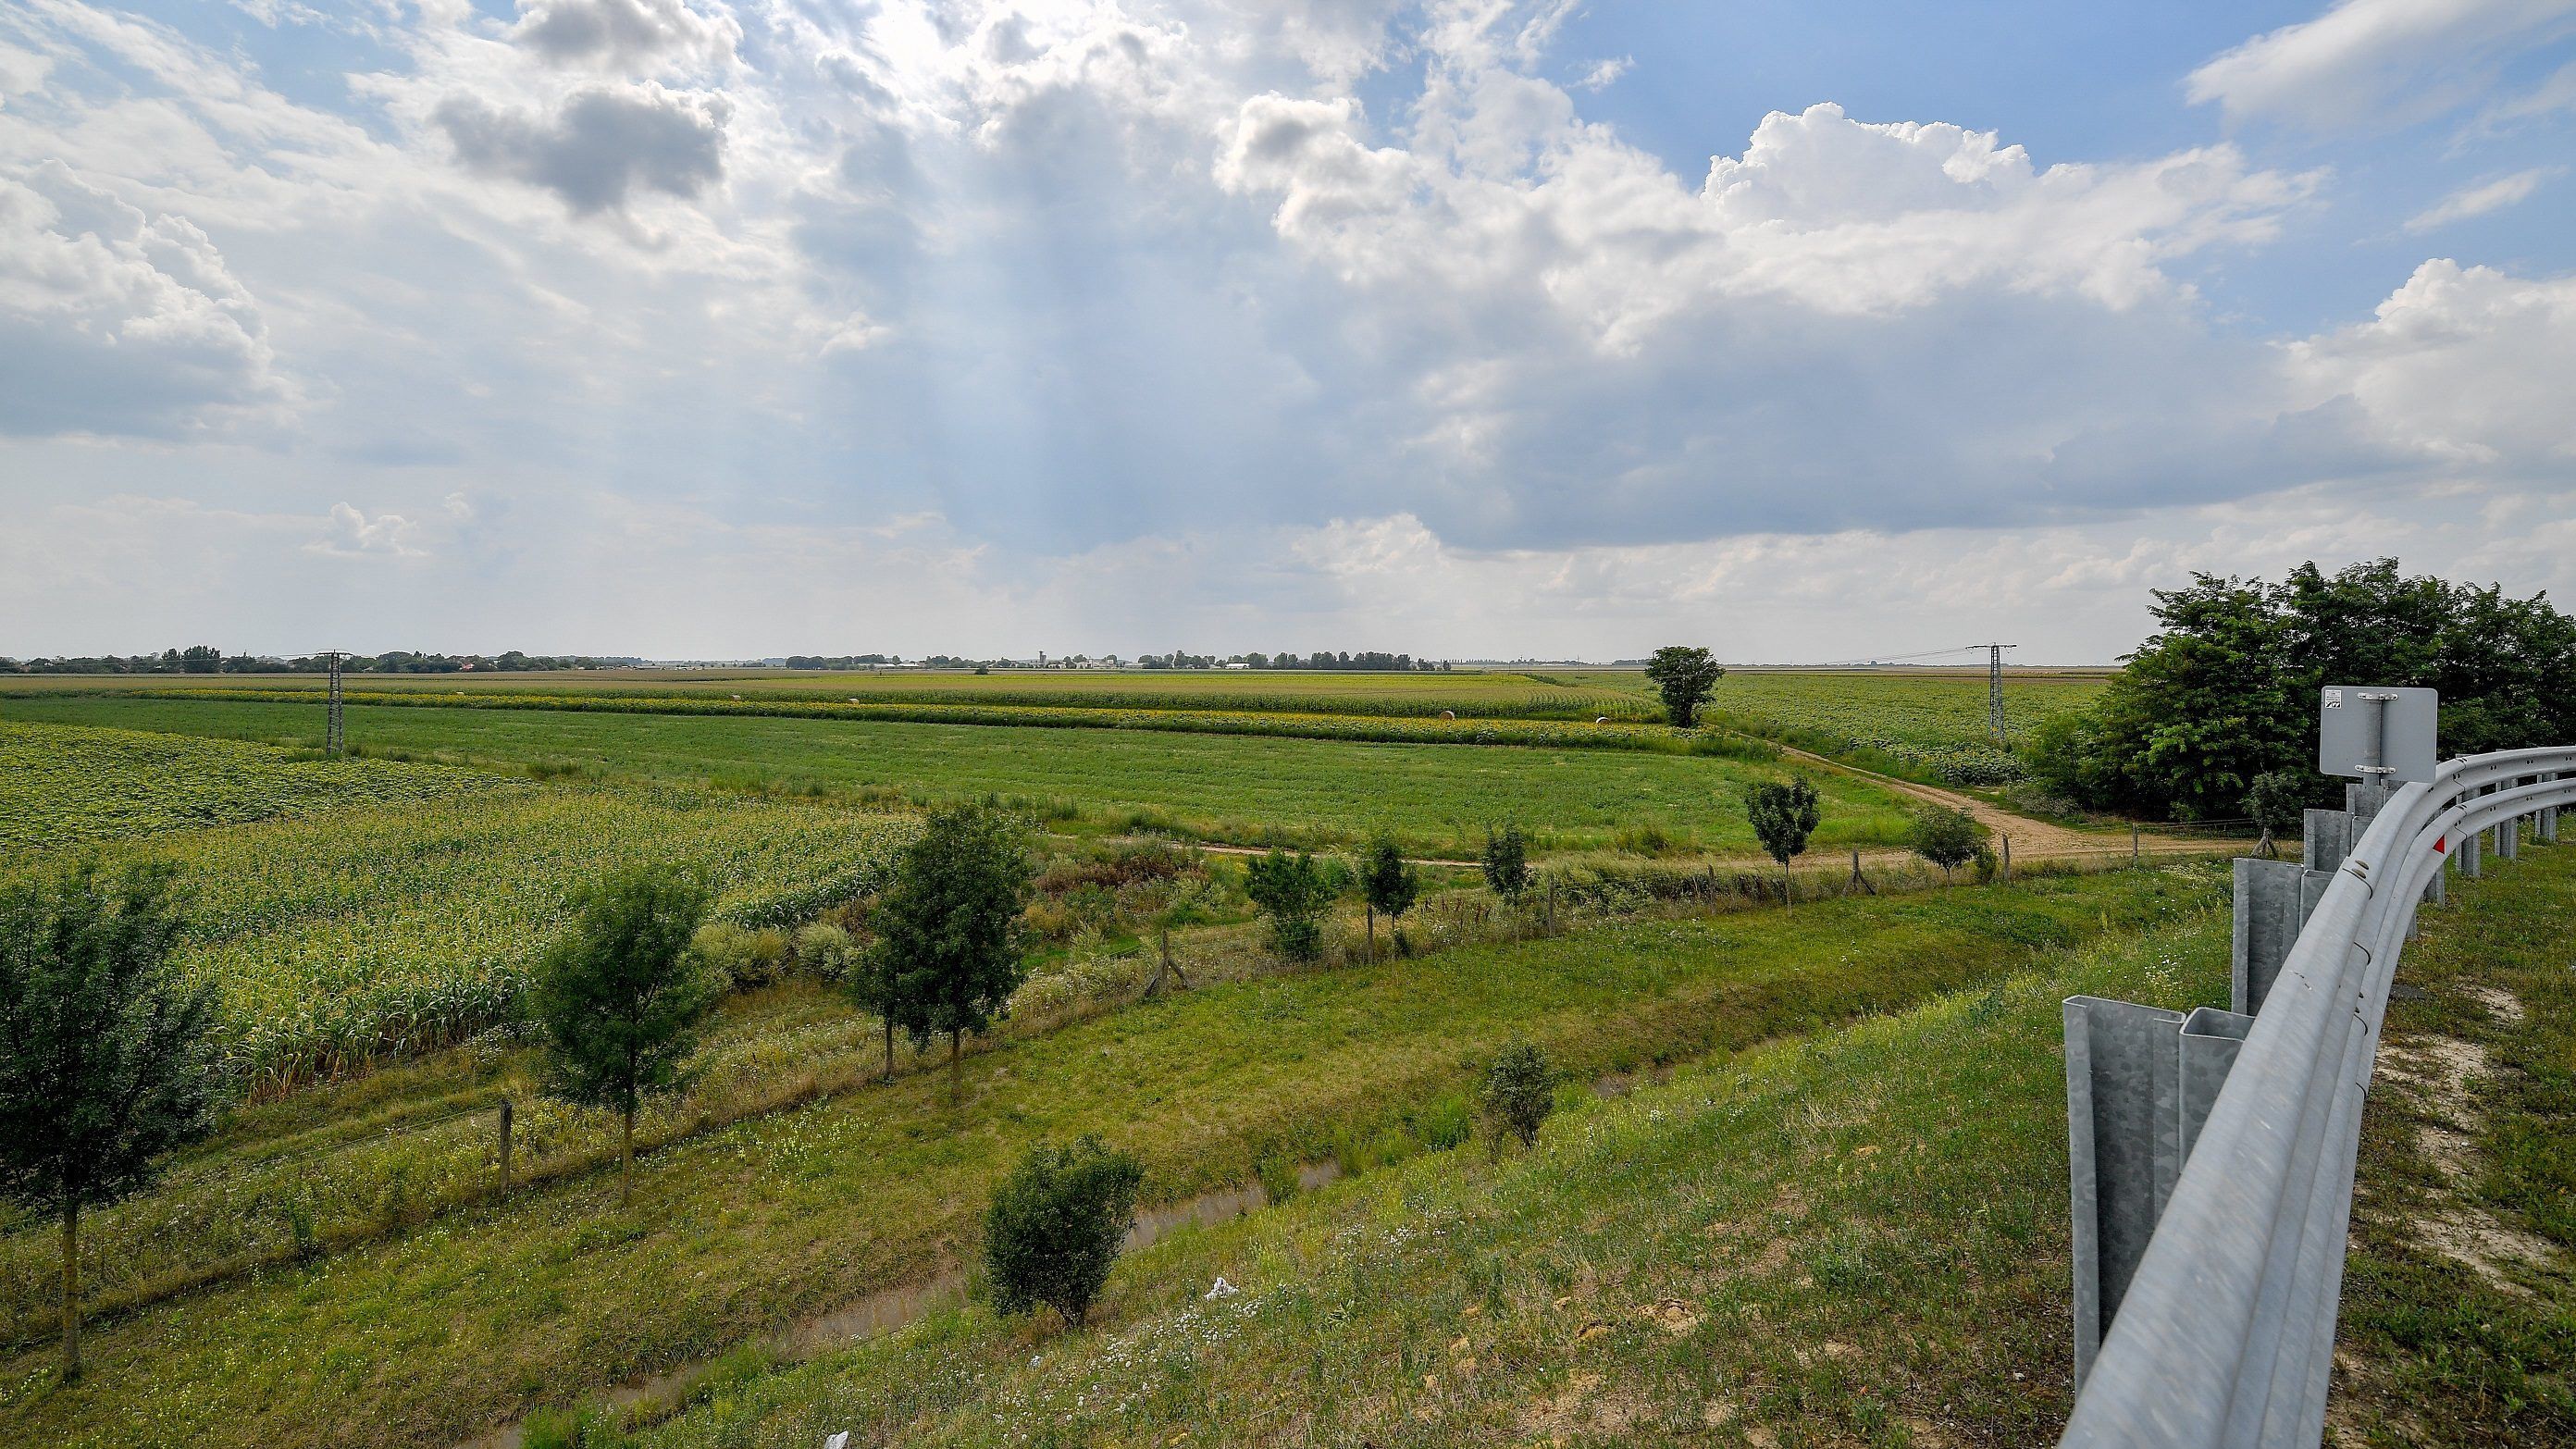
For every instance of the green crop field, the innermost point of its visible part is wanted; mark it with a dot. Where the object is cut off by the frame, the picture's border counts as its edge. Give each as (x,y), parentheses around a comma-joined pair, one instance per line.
(64,786)
(1435,799)
(407,920)
(1469,695)
(437,1323)
(1928,727)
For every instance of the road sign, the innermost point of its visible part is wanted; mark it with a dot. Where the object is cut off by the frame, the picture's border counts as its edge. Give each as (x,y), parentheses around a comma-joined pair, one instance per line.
(2383,734)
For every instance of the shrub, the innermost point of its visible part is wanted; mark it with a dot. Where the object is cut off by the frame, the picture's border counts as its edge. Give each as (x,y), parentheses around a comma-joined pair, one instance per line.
(1506,862)
(827,951)
(1783,816)
(1948,838)
(1520,1090)
(2278,802)
(1292,892)
(746,958)
(1056,1226)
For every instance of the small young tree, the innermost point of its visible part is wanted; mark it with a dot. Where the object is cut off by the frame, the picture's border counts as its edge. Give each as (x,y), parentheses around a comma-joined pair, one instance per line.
(1388,881)
(949,935)
(2278,801)
(1783,816)
(1687,678)
(1056,1226)
(1948,838)
(1520,1091)
(1506,862)
(619,998)
(103,1067)
(1292,892)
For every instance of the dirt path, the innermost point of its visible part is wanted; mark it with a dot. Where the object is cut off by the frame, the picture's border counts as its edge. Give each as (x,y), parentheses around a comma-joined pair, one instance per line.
(2031,839)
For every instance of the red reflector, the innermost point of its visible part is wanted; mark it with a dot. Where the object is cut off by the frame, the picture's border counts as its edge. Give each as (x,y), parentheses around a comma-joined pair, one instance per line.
(2442,846)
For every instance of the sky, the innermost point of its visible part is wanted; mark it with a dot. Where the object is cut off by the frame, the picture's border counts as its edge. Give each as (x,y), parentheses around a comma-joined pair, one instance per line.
(738,328)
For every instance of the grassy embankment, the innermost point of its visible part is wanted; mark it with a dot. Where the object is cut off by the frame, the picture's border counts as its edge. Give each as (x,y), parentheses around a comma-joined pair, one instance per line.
(475,1313)
(1858,1237)
(1435,799)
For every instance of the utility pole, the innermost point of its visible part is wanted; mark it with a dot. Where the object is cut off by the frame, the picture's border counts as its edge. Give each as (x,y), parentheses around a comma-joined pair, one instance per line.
(1995,687)
(335,735)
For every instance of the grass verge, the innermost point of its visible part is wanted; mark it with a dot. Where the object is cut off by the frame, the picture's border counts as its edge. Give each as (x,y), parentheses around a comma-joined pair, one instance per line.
(479,1315)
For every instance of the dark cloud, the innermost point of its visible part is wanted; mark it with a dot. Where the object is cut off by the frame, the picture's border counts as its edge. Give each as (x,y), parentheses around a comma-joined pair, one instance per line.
(620,33)
(600,148)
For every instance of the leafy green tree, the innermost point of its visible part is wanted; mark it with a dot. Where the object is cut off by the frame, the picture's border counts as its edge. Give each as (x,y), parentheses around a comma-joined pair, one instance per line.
(949,935)
(2226,689)
(619,998)
(1291,890)
(103,1062)
(2278,803)
(1506,862)
(1783,816)
(1519,1093)
(1946,837)
(1056,1226)
(1687,678)
(1390,885)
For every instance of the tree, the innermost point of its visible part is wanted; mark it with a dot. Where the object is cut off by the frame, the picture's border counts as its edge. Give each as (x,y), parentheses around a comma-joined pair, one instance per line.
(1687,678)
(2226,689)
(103,1062)
(1506,862)
(1056,1226)
(1388,882)
(1292,892)
(1519,1093)
(1783,816)
(949,935)
(619,998)
(2278,801)
(871,980)
(1948,838)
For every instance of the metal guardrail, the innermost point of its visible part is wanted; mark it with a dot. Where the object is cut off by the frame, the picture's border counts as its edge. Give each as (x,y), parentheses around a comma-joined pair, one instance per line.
(2213,1154)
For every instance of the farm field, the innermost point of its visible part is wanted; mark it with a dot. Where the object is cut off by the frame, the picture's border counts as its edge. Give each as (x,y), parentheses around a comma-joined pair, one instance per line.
(1496,695)
(1435,799)
(66,786)
(1739,1254)
(471,1314)
(406,920)
(1923,727)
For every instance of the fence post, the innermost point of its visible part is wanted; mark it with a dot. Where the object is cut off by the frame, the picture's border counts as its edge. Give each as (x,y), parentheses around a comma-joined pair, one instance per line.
(2326,838)
(505,1146)
(2134,857)
(2272,903)
(2124,1148)
(2007,859)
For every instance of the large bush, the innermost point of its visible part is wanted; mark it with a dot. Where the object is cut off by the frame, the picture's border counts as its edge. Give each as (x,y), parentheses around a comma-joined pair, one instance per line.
(2226,691)
(1056,1226)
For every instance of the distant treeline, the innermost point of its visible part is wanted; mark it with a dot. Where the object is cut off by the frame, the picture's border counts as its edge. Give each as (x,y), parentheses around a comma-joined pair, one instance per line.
(1370,659)
(201,659)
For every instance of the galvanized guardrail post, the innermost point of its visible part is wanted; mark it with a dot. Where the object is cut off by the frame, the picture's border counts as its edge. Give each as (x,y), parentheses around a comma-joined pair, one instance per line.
(2211,1156)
